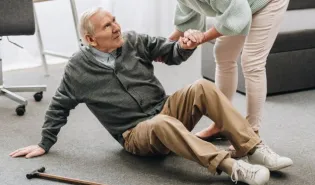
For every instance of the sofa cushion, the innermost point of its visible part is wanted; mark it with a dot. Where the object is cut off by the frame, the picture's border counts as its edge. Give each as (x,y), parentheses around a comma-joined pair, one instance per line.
(301,4)
(294,40)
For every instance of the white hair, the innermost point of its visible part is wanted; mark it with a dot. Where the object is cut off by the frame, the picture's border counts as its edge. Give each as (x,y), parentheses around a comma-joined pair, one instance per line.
(85,26)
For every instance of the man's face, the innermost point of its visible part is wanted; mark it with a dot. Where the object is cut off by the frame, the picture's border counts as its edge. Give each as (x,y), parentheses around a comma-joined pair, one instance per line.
(107,34)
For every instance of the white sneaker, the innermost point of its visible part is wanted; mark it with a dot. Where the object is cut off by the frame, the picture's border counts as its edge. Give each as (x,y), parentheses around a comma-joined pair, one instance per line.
(245,159)
(268,158)
(250,174)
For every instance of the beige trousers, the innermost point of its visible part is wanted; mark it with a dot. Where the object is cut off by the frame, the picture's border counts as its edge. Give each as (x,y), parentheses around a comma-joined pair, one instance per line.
(256,47)
(170,130)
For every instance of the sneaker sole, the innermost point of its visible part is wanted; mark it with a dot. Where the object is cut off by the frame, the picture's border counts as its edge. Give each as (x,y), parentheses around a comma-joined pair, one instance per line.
(279,167)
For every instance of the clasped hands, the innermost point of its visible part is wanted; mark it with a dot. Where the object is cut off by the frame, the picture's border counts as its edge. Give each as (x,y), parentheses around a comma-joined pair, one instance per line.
(191,39)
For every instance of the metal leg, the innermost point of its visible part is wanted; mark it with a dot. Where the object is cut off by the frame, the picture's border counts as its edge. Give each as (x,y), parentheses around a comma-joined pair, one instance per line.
(40,44)
(8,92)
(43,52)
(34,88)
(75,19)
(14,97)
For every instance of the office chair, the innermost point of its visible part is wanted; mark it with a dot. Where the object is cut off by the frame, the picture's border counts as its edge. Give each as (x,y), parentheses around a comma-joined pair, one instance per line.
(17,18)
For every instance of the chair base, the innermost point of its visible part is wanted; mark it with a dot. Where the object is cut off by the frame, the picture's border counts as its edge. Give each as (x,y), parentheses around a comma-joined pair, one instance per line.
(9,93)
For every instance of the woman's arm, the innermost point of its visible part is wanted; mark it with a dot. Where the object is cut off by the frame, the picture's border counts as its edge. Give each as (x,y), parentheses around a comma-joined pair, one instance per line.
(176,35)
(211,34)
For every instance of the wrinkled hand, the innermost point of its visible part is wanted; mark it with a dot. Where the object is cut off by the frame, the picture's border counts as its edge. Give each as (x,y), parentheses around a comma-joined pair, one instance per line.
(194,36)
(185,43)
(28,152)
(191,39)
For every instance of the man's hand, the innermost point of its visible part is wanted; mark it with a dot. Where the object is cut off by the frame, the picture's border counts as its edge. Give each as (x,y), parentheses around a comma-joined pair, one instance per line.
(28,152)
(185,43)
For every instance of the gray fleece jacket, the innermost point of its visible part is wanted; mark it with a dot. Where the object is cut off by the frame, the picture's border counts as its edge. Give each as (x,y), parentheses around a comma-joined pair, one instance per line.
(121,97)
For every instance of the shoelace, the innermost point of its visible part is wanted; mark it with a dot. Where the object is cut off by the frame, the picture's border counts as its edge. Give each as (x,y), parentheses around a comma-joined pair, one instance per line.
(239,170)
(266,150)
(245,158)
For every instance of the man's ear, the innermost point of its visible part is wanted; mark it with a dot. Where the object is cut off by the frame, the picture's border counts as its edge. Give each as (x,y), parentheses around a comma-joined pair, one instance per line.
(90,39)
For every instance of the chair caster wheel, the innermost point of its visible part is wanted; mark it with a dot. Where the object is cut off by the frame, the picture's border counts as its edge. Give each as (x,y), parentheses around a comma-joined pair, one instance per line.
(20,110)
(38,96)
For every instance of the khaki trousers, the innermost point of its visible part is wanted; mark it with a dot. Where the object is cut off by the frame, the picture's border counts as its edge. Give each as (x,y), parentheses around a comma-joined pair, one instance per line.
(170,130)
(256,47)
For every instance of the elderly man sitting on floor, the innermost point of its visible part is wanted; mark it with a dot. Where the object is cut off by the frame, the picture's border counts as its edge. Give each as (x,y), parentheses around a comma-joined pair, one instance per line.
(114,76)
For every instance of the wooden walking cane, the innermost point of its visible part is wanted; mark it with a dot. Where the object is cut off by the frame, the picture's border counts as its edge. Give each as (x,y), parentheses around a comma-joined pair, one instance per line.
(39,173)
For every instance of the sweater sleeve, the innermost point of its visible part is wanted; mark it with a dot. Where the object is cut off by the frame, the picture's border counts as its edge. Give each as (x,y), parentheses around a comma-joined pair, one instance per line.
(170,51)
(233,16)
(186,18)
(57,113)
